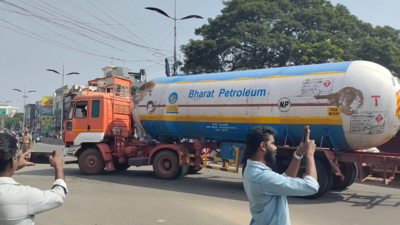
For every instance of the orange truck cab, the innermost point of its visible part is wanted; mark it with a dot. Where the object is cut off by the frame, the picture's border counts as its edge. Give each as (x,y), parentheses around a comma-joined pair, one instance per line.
(92,116)
(99,131)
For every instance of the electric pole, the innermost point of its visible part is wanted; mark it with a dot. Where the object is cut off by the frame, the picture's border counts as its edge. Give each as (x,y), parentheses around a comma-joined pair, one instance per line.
(62,95)
(23,108)
(175,19)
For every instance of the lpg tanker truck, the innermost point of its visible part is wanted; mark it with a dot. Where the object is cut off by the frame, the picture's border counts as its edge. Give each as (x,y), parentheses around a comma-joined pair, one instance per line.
(348,106)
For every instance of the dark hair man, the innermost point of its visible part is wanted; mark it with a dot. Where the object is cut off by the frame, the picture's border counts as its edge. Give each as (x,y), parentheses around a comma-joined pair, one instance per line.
(266,189)
(19,204)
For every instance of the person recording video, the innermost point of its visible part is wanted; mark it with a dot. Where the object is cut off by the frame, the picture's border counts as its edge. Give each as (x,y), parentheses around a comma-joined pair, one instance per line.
(266,189)
(19,204)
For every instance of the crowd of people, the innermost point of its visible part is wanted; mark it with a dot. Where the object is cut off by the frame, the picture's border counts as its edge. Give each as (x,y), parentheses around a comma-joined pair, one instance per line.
(265,189)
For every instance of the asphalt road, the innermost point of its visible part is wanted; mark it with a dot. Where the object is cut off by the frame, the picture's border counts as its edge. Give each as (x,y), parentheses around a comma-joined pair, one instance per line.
(211,197)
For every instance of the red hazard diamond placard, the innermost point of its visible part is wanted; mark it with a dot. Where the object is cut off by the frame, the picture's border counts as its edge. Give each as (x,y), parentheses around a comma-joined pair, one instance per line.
(379,118)
(327,83)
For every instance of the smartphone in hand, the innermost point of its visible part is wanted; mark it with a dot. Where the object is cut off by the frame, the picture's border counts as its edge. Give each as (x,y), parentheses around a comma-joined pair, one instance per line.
(40,157)
(306,128)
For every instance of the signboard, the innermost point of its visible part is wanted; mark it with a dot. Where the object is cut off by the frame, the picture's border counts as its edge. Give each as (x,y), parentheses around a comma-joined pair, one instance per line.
(46,122)
(47,101)
(3,111)
(334,111)
(47,111)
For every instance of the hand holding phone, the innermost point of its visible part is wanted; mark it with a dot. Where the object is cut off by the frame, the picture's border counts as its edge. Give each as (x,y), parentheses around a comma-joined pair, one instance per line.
(40,157)
(56,160)
(23,160)
(309,145)
(306,134)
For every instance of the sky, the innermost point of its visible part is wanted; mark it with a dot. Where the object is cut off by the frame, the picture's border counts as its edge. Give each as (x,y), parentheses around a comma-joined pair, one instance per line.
(89,35)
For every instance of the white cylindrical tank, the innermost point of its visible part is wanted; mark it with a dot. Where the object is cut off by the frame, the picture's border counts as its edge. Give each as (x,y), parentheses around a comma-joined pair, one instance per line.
(348,105)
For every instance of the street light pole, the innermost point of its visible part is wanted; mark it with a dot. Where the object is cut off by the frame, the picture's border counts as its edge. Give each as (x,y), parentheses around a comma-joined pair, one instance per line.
(175,19)
(62,95)
(175,67)
(62,104)
(23,108)
(23,119)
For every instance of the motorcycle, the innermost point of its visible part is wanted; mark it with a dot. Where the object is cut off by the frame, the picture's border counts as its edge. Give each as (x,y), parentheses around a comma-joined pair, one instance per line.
(19,142)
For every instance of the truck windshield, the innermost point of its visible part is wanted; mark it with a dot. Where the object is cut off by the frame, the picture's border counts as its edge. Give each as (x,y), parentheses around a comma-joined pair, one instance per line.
(71,111)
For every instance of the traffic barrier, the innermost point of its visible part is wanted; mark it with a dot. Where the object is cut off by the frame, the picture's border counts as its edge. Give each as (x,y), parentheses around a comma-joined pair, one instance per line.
(51,141)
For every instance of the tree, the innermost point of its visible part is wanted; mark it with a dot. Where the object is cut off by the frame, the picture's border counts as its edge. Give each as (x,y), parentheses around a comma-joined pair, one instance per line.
(12,123)
(19,116)
(252,34)
(133,90)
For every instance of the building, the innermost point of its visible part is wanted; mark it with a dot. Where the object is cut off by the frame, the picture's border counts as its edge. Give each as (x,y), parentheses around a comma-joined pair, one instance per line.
(29,114)
(137,78)
(46,117)
(116,71)
(58,106)
(10,110)
(38,115)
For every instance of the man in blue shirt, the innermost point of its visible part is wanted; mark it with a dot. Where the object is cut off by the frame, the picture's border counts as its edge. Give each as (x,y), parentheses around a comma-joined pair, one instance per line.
(266,189)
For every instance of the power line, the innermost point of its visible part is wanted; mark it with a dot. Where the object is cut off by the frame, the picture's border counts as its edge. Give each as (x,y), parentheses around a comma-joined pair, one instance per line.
(183,29)
(88,13)
(128,21)
(69,28)
(155,71)
(84,29)
(62,45)
(25,67)
(116,21)
(97,24)
(64,36)
(78,23)
(81,9)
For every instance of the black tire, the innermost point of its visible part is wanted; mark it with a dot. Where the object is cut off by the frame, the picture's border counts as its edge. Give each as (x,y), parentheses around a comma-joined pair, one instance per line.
(121,167)
(350,173)
(193,170)
(166,165)
(91,162)
(325,179)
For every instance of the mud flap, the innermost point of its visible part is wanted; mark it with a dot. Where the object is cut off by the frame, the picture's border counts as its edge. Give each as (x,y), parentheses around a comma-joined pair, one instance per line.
(110,166)
(184,169)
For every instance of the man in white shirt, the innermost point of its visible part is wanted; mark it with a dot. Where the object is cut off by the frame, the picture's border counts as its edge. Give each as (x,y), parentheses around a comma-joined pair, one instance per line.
(19,204)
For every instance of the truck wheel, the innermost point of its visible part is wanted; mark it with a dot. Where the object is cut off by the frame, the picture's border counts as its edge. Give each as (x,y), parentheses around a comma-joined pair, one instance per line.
(325,178)
(91,162)
(350,173)
(121,167)
(193,170)
(166,165)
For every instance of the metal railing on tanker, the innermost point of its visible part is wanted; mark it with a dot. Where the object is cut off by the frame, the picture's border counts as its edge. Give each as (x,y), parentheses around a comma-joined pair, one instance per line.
(186,159)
